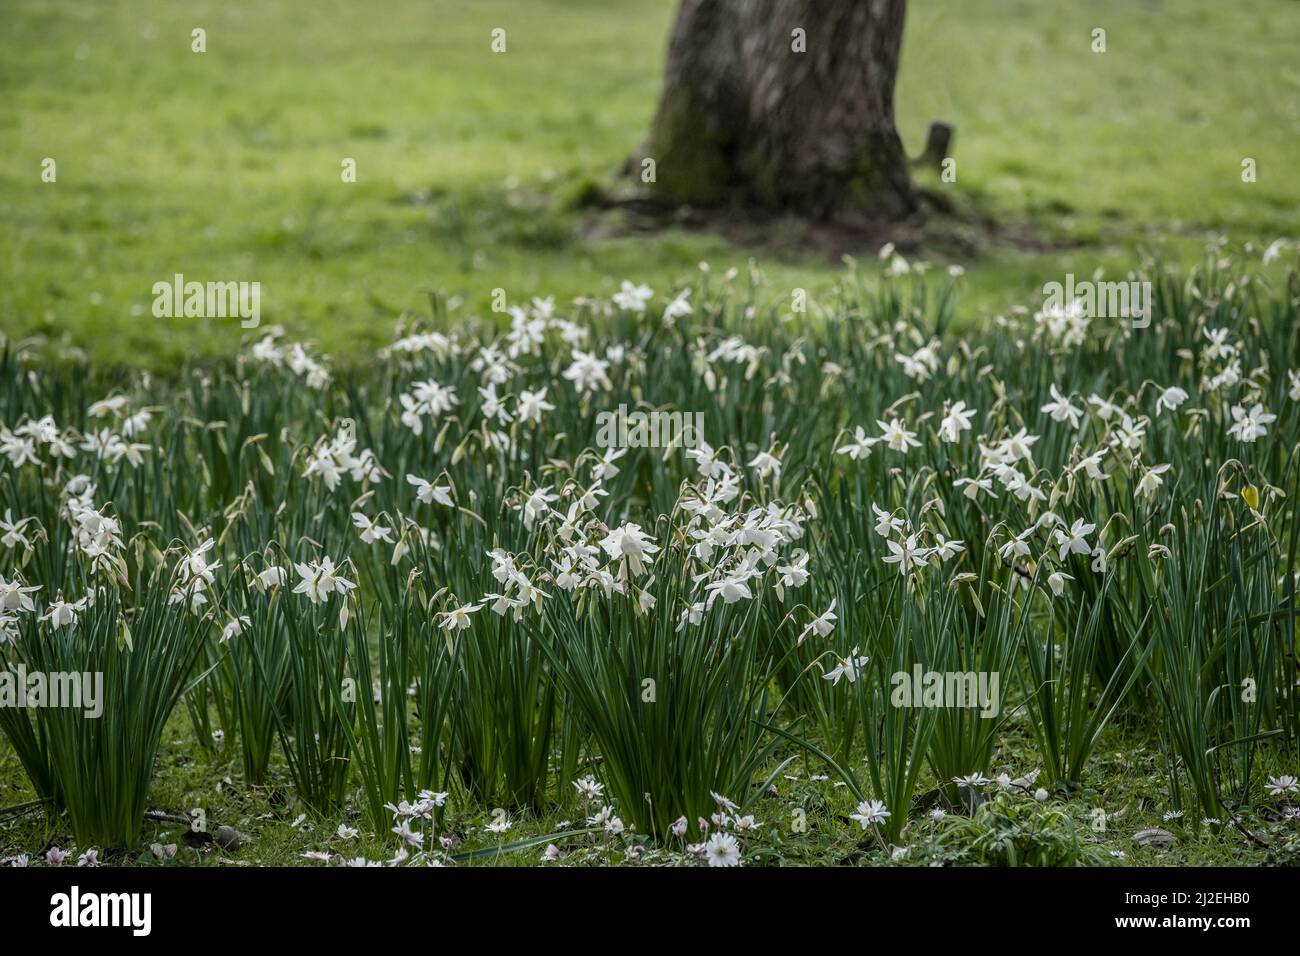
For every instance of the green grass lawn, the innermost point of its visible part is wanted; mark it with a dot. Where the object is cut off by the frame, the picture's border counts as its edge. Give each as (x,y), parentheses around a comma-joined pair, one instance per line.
(226,165)
(1127,778)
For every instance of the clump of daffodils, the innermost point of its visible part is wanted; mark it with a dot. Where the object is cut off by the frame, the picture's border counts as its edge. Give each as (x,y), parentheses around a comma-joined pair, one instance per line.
(465,479)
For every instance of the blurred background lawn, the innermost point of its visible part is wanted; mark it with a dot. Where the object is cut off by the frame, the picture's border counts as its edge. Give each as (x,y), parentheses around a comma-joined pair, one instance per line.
(225,165)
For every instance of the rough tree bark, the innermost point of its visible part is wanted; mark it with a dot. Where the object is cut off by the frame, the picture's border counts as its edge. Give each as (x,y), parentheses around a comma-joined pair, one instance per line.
(745,120)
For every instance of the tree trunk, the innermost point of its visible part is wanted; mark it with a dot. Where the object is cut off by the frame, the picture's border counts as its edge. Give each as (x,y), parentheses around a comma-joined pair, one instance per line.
(746,119)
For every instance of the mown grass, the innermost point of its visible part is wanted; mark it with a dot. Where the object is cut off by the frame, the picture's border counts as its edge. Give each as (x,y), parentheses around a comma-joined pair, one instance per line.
(1126,778)
(226,165)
